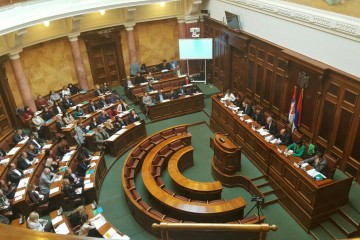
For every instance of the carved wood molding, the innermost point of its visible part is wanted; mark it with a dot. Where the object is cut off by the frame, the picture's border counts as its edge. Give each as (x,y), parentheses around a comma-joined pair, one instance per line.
(330,22)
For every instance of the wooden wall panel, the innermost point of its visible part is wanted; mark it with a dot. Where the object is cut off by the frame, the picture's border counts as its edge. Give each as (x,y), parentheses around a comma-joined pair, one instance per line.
(331,105)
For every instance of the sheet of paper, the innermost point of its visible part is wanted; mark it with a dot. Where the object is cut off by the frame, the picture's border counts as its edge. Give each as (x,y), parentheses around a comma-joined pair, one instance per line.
(98,221)
(249,120)
(88,185)
(87,175)
(54,190)
(13,151)
(66,158)
(95,158)
(118,236)
(166,100)
(121,131)
(62,229)
(137,123)
(304,165)
(264,133)
(87,180)
(24,141)
(93,164)
(18,198)
(23,182)
(56,220)
(109,233)
(58,178)
(113,138)
(4,161)
(19,193)
(47,146)
(78,190)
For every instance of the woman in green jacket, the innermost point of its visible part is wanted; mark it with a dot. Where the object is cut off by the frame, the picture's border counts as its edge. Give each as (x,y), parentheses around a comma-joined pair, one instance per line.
(297,147)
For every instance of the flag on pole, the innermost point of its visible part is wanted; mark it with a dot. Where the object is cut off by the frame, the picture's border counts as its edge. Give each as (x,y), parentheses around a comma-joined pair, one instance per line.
(292,108)
(297,119)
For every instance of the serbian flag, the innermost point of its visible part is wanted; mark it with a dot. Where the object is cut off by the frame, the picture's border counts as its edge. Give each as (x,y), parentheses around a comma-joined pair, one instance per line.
(297,119)
(292,108)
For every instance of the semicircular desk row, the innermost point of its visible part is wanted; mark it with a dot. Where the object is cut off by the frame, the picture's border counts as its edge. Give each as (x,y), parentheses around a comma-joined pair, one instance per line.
(198,201)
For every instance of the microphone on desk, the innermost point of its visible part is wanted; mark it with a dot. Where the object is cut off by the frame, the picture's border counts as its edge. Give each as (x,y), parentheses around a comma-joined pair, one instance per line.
(222,140)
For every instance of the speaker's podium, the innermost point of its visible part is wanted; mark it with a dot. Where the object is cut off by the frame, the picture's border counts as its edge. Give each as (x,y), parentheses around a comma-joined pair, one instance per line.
(227,155)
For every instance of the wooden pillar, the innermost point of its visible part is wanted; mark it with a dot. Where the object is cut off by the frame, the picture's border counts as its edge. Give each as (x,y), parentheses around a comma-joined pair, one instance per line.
(22,82)
(78,62)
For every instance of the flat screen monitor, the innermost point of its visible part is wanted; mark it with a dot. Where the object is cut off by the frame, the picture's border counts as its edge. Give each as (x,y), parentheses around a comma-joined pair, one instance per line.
(232,20)
(196,48)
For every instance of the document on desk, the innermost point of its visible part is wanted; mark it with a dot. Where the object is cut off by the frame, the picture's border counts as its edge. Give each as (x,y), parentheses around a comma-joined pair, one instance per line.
(23,182)
(98,221)
(88,185)
(58,178)
(47,146)
(13,151)
(62,229)
(20,193)
(113,138)
(249,120)
(54,190)
(24,141)
(137,123)
(121,131)
(4,161)
(95,158)
(118,236)
(93,164)
(56,220)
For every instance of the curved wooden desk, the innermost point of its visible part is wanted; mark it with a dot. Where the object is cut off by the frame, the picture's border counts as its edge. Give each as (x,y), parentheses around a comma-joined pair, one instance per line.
(183,159)
(190,211)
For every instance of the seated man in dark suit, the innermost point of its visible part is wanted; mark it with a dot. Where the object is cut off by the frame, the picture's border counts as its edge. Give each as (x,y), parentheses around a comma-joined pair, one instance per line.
(91,107)
(23,161)
(133,116)
(259,117)
(97,91)
(101,103)
(139,79)
(271,126)
(47,114)
(119,123)
(160,96)
(318,162)
(247,108)
(19,136)
(285,137)
(104,116)
(173,95)
(164,65)
(67,103)
(59,124)
(33,152)
(94,123)
(14,174)
(82,167)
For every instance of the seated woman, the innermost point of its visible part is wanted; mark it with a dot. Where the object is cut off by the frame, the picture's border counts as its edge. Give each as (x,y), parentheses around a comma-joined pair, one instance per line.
(86,227)
(41,225)
(65,92)
(47,114)
(122,106)
(8,188)
(35,196)
(76,216)
(297,147)
(67,118)
(63,148)
(109,127)
(5,204)
(133,116)
(75,181)
(69,190)
(78,112)
(73,89)
(52,165)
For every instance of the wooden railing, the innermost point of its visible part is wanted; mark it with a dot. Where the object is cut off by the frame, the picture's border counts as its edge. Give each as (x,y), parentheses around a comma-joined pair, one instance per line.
(166,228)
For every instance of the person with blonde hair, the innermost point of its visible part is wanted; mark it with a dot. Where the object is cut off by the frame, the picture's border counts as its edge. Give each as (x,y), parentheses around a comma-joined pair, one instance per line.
(37,224)
(76,216)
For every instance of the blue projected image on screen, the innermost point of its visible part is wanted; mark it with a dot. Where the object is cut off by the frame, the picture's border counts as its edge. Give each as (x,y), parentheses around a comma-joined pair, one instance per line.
(232,20)
(199,48)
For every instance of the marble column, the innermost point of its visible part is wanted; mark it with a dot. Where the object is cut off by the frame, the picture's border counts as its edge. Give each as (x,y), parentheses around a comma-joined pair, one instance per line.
(22,82)
(131,43)
(78,62)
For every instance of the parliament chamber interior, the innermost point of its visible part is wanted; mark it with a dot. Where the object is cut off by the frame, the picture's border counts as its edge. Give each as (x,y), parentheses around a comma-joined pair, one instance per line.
(179,119)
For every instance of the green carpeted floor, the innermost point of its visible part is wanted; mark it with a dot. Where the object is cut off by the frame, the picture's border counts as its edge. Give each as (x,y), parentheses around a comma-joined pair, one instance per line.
(112,196)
